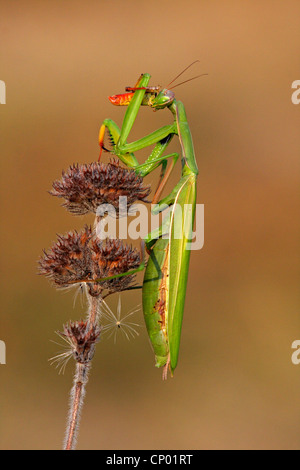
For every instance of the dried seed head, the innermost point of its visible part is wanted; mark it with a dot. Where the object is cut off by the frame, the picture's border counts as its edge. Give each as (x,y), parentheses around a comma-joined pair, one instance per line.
(69,259)
(78,257)
(82,339)
(110,258)
(85,187)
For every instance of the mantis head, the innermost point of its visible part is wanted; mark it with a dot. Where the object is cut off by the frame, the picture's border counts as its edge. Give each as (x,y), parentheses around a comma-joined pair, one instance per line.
(163,99)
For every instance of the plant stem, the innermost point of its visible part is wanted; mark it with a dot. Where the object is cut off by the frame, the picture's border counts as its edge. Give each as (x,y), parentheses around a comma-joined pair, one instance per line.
(93,310)
(80,380)
(77,397)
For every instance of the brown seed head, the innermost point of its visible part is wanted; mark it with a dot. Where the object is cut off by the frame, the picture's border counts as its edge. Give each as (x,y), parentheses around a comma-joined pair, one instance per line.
(85,187)
(82,339)
(78,257)
(110,258)
(69,259)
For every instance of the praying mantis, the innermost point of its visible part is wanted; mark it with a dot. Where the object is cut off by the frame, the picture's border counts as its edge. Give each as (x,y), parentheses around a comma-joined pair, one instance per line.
(166,273)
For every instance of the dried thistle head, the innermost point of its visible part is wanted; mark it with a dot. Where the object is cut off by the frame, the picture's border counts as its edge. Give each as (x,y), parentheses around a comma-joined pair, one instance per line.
(69,259)
(78,257)
(110,258)
(82,338)
(85,187)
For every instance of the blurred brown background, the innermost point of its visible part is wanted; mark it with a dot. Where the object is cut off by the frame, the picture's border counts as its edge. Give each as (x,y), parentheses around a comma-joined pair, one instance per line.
(235,385)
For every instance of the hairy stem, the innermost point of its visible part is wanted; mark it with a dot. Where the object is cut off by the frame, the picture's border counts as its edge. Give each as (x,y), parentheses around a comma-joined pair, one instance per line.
(77,396)
(81,379)
(93,310)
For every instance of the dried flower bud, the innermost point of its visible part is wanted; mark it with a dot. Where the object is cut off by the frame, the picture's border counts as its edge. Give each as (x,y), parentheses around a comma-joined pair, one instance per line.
(78,257)
(82,338)
(85,187)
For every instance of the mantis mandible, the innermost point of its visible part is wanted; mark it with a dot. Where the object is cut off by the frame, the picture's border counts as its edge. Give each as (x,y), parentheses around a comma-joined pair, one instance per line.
(166,274)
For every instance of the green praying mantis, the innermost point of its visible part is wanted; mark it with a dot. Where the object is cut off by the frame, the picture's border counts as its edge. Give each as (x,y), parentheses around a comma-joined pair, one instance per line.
(166,273)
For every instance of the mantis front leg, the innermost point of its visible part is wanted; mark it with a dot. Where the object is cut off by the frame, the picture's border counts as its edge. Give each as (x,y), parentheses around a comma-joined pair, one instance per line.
(153,161)
(160,138)
(120,136)
(125,151)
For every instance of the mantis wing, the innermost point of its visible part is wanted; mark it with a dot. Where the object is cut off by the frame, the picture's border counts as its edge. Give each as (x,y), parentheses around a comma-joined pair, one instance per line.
(180,236)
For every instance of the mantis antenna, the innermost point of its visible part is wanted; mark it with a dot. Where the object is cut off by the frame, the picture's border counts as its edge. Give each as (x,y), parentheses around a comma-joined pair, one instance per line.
(179,75)
(190,79)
